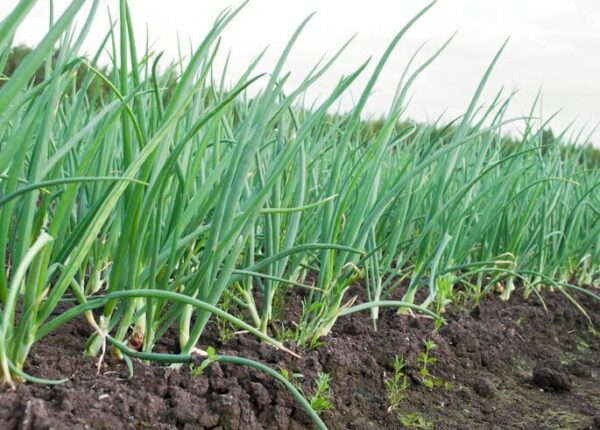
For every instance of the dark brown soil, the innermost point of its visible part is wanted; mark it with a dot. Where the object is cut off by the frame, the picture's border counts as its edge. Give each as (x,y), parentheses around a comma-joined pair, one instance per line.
(499,366)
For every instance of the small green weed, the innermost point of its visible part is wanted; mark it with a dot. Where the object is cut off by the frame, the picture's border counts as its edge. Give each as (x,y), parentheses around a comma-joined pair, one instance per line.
(211,357)
(226,331)
(415,420)
(321,400)
(283,333)
(396,384)
(426,360)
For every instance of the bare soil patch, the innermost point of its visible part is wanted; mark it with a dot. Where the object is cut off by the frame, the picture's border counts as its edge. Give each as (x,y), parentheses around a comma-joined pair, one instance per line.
(499,365)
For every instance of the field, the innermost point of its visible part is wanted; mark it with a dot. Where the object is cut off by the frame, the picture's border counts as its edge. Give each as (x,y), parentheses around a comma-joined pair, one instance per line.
(180,253)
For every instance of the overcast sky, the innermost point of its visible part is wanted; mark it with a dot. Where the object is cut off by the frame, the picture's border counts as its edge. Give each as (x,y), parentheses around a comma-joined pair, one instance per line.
(554,45)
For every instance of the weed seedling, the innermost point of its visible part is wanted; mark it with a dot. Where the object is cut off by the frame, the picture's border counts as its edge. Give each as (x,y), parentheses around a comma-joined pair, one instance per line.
(226,332)
(322,399)
(396,384)
(211,357)
(426,360)
(416,421)
(283,333)
(291,376)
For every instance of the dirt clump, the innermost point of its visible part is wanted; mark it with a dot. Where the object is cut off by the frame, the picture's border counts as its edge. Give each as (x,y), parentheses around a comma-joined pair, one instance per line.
(550,375)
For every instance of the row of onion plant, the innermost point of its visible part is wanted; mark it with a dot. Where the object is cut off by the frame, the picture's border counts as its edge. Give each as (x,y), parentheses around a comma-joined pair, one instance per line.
(174,191)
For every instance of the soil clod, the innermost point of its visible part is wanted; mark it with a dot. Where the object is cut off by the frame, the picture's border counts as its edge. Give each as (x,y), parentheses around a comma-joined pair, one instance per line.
(551,375)
(484,388)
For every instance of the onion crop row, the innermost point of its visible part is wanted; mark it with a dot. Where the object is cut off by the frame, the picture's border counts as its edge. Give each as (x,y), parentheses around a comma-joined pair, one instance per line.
(177,190)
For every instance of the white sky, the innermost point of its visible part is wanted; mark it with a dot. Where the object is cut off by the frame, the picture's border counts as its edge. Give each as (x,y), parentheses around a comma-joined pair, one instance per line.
(554,45)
